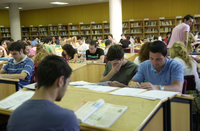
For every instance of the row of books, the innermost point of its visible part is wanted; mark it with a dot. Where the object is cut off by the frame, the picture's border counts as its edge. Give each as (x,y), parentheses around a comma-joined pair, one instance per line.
(96,26)
(6,35)
(74,33)
(25,34)
(106,26)
(53,28)
(43,34)
(150,30)
(73,27)
(96,32)
(153,23)
(125,31)
(136,24)
(85,27)
(85,32)
(125,25)
(106,31)
(166,29)
(179,22)
(34,29)
(25,29)
(149,36)
(96,37)
(62,27)
(64,33)
(43,29)
(53,33)
(164,23)
(196,28)
(136,30)
(35,33)
(196,20)
(5,29)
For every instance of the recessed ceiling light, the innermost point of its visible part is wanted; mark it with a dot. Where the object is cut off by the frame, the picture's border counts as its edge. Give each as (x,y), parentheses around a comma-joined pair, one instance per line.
(59,3)
(8,7)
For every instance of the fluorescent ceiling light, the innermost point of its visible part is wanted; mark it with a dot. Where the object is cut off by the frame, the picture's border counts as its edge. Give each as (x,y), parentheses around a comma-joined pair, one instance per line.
(59,3)
(8,7)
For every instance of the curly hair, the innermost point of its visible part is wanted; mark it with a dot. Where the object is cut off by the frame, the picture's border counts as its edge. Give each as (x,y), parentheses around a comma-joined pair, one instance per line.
(144,52)
(41,53)
(69,50)
(178,50)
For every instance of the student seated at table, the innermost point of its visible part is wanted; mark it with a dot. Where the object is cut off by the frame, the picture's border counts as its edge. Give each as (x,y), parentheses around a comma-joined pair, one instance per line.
(82,46)
(48,46)
(40,113)
(27,48)
(143,54)
(160,73)
(19,66)
(35,42)
(94,53)
(70,53)
(118,69)
(179,53)
(114,41)
(100,42)
(108,44)
(4,52)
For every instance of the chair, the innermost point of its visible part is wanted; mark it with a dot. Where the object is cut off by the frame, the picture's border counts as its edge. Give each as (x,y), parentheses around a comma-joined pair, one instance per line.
(184,87)
(127,50)
(105,59)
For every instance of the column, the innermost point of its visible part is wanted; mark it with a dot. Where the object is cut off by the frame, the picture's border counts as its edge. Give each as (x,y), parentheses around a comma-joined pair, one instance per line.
(115,14)
(14,21)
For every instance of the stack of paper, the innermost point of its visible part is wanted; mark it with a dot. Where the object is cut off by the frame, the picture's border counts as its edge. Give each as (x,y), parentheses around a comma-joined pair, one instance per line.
(80,83)
(128,91)
(98,88)
(30,86)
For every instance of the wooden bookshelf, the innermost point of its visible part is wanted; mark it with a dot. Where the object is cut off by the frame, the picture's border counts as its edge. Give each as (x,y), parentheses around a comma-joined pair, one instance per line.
(151,28)
(97,30)
(74,30)
(25,32)
(196,25)
(5,32)
(53,31)
(63,30)
(85,30)
(106,29)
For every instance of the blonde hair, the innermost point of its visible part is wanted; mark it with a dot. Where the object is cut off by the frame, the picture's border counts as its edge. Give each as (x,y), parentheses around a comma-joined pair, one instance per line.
(41,53)
(179,50)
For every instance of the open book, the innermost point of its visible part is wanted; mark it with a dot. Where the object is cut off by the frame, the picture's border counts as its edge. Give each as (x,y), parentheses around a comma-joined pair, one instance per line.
(98,113)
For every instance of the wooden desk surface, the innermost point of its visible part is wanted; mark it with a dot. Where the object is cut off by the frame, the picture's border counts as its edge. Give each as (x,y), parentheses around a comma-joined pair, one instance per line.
(3,62)
(130,56)
(76,66)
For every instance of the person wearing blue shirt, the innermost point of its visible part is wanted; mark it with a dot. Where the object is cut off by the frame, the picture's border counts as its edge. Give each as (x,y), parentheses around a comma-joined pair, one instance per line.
(159,73)
(35,42)
(19,66)
(40,113)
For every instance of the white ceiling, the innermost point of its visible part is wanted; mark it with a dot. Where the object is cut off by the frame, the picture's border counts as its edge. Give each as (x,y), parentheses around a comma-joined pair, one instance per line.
(40,4)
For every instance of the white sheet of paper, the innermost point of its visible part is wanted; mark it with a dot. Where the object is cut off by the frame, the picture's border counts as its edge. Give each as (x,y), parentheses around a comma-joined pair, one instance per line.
(103,88)
(30,86)
(80,83)
(127,91)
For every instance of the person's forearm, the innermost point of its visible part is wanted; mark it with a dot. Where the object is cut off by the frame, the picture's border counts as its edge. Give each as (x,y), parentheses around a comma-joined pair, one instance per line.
(186,43)
(107,77)
(174,87)
(13,76)
(99,60)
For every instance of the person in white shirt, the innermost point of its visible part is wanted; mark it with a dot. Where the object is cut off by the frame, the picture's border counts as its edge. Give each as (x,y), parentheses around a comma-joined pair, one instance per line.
(108,44)
(179,53)
(82,46)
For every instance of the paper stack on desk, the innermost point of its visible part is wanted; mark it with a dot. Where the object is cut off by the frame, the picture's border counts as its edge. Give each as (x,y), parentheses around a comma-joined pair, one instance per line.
(127,91)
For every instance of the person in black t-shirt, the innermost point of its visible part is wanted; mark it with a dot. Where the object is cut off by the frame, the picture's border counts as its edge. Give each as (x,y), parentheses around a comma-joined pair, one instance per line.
(94,53)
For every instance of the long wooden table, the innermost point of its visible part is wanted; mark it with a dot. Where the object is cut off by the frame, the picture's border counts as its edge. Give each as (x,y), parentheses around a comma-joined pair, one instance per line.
(169,114)
(130,56)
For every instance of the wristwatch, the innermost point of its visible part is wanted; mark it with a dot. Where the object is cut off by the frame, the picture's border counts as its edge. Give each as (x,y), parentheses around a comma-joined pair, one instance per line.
(161,87)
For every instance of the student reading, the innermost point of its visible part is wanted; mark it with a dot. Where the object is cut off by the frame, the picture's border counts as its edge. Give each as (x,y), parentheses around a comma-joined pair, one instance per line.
(118,69)
(40,113)
(159,72)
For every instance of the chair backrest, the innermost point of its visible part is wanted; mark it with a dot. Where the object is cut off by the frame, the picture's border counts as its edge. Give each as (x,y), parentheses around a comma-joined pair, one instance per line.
(105,59)
(184,87)
(191,84)
(127,50)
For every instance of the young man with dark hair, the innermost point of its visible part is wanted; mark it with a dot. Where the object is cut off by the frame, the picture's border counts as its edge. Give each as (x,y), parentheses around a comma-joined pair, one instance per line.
(118,70)
(107,44)
(82,46)
(47,44)
(160,73)
(94,53)
(40,113)
(35,41)
(181,31)
(20,66)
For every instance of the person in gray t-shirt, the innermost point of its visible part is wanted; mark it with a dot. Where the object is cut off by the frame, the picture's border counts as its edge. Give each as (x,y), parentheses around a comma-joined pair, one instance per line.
(118,70)
(40,113)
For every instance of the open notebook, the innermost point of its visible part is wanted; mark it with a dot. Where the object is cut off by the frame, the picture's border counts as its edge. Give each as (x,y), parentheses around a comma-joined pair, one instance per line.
(98,113)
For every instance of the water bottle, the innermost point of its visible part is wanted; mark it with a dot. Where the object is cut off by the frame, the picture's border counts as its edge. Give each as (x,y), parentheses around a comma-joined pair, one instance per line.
(83,53)
(132,48)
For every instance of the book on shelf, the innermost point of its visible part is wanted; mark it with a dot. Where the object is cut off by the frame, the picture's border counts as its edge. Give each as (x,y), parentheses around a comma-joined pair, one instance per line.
(106,26)
(136,25)
(73,27)
(96,26)
(151,23)
(151,30)
(197,21)
(125,31)
(85,27)
(165,23)
(99,113)
(74,33)
(136,31)
(125,25)
(54,28)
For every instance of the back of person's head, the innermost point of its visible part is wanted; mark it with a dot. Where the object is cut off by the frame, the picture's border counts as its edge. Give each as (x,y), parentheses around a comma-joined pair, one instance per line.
(93,43)
(158,47)
(178,50)
(11,40)
(47,39)
(69,50)
(115,52)
(128,37)
(144,52)
(88,41)
(51,68)
(187,17)
(41,53)
(108,42)
(155,37)
(15,46)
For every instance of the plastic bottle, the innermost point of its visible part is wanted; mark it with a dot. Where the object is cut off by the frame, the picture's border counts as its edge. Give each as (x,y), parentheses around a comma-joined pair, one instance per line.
(132,48)
(83,53)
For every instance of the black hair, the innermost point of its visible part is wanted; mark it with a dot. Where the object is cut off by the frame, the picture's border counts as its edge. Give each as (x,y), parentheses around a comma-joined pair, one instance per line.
(145,37)
(155,37)
(168,34)
(79,38)
(47,39)
(15,46)
(128,37)
(110,35)
(108,42)
(122,35)
(115,52)
(138,39)
(187,17)
(24,45)
(93,43)
(158,47)
(51,68)
(11,40)
(70,50)
(88,41)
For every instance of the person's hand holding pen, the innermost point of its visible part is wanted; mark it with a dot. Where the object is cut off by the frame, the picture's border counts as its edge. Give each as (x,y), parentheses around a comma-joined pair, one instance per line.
(134,84)
(149,86)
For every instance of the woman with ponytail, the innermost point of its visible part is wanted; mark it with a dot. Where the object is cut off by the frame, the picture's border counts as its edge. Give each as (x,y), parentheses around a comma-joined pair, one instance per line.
(180,54)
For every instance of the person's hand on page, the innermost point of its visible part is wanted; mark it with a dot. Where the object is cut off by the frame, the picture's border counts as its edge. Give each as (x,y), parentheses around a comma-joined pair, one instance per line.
(134,84)
(114,83)
(149,86)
